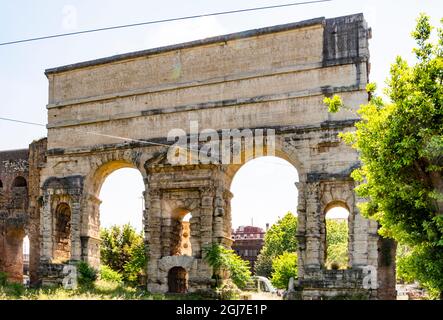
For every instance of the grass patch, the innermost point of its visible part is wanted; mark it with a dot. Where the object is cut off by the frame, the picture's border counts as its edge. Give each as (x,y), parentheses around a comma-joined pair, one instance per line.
(102,290)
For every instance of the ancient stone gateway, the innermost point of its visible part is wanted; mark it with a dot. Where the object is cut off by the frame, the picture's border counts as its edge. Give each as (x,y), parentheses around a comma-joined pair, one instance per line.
(117,112)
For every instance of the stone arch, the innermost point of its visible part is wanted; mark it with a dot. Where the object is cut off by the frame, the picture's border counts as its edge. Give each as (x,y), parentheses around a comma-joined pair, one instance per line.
(1,184)
(101,167)
(337,193)
(180,232)
(11,261)
(172,225)
(177,280)
(19,182)
(62,232)
(249,249)
(282,150)
(328,207)
(285,150)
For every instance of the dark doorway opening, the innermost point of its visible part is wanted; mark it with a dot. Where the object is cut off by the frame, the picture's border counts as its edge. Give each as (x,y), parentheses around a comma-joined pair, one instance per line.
(178,280)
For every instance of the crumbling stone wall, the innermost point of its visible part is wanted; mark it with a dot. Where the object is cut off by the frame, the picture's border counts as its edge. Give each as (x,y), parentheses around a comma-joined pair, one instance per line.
(185,243)
(19,209)
(13,211)
(37,161)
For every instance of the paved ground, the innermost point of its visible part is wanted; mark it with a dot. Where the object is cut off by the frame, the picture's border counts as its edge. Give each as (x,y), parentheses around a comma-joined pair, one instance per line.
(264,296)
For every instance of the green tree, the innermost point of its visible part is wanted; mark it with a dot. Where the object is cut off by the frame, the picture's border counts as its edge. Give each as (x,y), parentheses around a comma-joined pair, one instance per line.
(337,241)
(280,238)
(123,250)
(222,260)
(284,267)
(400,143)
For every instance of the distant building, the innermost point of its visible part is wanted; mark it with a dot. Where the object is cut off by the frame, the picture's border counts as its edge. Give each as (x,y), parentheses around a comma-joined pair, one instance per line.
(248,241)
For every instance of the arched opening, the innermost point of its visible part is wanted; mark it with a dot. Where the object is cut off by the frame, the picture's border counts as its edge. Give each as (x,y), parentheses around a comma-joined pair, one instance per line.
(26,260)
(177,280)
(1,184)
(122,201)
(19,182)
(62,232)
(264,192)
(11,261)
(118,211)
(337,236)
(181,233)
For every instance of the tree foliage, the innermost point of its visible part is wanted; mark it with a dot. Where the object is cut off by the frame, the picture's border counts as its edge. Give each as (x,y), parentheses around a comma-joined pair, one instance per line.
(222,260)
(280,238)
(337,243)
(284,267)
(123,250)
(400,143)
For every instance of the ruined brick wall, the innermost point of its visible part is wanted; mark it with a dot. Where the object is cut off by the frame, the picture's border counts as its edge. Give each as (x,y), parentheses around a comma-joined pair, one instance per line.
(19,209)
(13,211)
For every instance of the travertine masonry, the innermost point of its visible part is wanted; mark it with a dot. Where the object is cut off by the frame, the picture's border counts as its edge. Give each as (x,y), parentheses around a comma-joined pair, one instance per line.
(116,112)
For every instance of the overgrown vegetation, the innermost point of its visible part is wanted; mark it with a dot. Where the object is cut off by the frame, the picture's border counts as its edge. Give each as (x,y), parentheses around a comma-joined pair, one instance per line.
(224,260)
(123,251)
(101,290)
(400,143)
(107,274)
(86,275)
(337,243)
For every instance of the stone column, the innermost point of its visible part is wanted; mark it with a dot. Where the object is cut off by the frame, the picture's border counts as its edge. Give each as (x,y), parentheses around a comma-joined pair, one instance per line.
(194,225)
(90,238)
(75,229)
(314,255)
(360,228)
(166,233)
(301,228)
(227,195)
(153,237)
(219,212)
(206,216)
(46,228)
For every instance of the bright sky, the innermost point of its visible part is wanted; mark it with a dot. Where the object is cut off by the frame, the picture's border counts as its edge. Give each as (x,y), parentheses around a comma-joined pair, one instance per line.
(263,189)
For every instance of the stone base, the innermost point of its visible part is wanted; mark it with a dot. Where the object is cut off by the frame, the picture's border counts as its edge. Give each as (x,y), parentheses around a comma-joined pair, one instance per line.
(51,274)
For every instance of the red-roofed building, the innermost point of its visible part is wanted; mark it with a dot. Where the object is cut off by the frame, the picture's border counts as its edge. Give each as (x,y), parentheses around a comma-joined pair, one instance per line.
(248,241)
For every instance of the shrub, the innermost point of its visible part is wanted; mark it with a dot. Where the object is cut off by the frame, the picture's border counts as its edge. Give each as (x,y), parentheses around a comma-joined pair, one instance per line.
(3,278)
(222,259)
(16,289)
(86,274)
(124,251)
(107,274)
(285,267)
(239,270)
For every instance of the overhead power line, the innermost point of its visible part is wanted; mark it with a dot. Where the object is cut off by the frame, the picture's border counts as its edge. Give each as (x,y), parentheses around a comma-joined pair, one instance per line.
(21,121)
(122,138)
(162,21)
